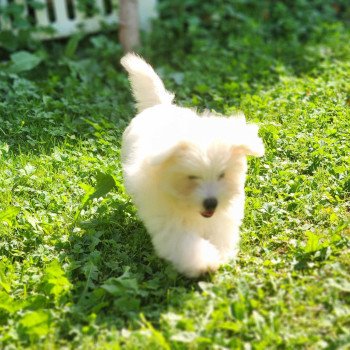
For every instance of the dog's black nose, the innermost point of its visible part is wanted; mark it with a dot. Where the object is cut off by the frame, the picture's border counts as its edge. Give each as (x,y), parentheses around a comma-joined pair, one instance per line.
(210,203)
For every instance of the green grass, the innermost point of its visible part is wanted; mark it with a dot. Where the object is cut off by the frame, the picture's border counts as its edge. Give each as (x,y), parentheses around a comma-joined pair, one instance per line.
(77,269)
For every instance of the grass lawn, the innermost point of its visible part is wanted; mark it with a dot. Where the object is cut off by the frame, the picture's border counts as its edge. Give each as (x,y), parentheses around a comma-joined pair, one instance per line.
(77,269)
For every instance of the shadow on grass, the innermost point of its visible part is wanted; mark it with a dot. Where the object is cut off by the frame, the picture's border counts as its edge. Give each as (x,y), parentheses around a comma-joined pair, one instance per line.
(116,275)
(52,105)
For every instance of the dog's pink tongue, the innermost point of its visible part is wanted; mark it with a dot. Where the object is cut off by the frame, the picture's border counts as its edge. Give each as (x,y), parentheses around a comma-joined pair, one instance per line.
(207,213)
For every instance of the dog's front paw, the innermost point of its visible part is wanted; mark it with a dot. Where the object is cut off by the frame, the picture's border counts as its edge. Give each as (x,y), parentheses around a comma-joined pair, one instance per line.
(205,258)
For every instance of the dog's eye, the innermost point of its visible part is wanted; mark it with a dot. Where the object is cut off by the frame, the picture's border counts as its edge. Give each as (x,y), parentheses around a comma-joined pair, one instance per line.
(221,176)
(193,177)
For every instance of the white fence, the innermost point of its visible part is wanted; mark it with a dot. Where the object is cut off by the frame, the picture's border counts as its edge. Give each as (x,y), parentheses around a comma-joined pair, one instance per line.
(65,17)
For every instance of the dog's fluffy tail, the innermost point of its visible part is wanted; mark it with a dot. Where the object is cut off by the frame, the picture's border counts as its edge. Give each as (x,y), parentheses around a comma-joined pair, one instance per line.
(147,87)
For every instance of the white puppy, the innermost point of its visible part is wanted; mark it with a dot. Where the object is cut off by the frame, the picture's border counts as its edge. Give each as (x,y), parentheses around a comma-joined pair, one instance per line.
(186,174)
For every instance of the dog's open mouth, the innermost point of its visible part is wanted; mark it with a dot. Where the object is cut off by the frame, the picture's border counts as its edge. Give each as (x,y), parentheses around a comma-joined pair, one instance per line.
(208,213)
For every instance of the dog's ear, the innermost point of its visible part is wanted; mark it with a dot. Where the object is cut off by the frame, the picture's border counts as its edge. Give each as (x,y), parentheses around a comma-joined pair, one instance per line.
(248,142)
(168,153)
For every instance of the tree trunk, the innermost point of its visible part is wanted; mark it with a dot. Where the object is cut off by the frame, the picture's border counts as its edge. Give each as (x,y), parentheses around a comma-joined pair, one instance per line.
(129,25)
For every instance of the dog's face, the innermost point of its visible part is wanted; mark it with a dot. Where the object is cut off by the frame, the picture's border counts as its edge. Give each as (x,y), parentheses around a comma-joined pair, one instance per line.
(204,176)
(203,180)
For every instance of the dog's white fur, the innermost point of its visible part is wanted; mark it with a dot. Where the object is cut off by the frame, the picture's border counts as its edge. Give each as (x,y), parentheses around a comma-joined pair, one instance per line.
(173,160)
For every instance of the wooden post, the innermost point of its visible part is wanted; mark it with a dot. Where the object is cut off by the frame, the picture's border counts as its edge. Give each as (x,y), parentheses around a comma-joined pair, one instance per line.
(129,36)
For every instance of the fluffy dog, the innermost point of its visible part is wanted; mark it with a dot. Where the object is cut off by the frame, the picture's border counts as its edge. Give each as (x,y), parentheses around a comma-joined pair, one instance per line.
(185,173)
